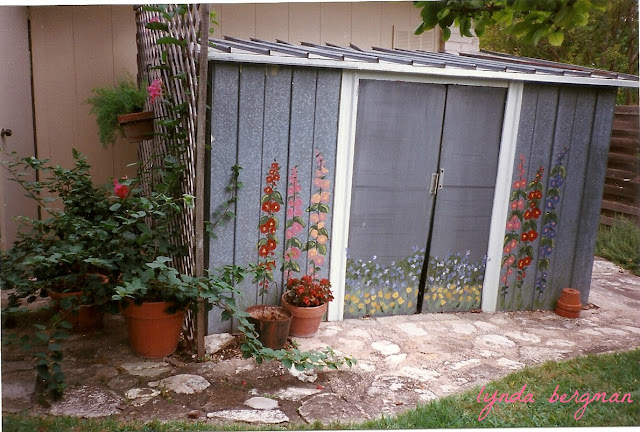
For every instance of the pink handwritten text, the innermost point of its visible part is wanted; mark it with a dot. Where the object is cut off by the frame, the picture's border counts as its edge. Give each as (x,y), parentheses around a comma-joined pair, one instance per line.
(586,399)
(504,397)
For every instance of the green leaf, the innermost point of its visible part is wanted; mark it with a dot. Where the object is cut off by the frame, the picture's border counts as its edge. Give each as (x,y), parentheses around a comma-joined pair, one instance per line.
(157,26)
(115,206)
(168,40)
(446,34)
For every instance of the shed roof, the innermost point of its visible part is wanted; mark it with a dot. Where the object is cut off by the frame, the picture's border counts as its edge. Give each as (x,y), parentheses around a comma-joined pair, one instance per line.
(485,64)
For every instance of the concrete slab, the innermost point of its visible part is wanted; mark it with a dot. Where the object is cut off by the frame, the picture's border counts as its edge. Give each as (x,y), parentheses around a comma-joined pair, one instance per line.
(147,368)
(183,383)
(328,407)
(250,416)
(87,402)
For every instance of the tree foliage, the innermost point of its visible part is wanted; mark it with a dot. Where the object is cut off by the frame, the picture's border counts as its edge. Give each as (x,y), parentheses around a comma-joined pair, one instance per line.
(608,41)
(528,20)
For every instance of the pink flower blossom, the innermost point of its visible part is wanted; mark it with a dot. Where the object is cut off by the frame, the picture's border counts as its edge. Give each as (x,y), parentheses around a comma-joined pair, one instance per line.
(155,89)
(154,20)
(121,191)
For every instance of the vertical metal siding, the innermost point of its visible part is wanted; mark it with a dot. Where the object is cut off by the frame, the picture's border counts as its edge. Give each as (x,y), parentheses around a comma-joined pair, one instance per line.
(576,133)
(224,126)
(555,120)
(325,134)
(592,191)
(261,113)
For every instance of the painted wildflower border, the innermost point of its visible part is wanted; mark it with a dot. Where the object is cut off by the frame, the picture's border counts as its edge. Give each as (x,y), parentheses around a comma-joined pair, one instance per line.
(453,283)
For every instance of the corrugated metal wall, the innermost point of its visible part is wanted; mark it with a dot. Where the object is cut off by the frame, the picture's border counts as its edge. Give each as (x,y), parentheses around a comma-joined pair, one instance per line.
(260,113)
(563,139)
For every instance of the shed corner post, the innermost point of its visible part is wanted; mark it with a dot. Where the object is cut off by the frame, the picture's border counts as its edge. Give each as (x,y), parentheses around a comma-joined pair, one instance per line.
(342,191)
(490,289)
(201,112)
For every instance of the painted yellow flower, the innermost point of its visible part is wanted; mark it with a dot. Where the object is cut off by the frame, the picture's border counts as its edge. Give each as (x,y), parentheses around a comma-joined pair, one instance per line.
(408,304)
(440,296)
(440,289)
(395,295)
(443,302)
(392,304)
(361,305)
(367,301)
(433,297)
(466,287)
(452,287)
(400,300)
(380,294)
(461,298)
(366,295)
(448,295)
(351,309)
(468,298)
(409,289)
(373,297)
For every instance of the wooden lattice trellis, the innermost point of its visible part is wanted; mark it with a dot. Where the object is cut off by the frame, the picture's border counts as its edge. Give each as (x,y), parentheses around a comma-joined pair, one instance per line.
(184,60)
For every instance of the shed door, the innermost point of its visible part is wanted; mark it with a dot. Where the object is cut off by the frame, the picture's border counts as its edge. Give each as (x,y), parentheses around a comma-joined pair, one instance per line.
(406,133)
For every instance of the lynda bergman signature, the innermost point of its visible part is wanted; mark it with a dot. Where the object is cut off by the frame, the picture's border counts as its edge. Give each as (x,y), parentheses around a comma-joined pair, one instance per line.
(585,399)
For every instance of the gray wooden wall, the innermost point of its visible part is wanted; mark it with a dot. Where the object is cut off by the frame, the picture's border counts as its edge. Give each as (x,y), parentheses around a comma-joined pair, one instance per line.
(260,113)
(576,120)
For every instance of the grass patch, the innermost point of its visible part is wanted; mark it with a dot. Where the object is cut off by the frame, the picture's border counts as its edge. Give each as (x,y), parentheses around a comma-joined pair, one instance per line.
(610,373)
(620,244)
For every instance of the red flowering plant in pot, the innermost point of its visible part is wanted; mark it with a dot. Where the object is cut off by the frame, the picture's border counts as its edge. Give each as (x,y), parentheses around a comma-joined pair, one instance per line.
(271,322)
(307,297)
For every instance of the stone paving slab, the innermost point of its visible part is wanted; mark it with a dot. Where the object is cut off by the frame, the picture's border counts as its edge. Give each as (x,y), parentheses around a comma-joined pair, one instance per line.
(402,361)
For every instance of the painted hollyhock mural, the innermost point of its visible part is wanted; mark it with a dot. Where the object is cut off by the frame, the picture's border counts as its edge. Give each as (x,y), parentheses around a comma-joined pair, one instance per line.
(531,232)
(312,253)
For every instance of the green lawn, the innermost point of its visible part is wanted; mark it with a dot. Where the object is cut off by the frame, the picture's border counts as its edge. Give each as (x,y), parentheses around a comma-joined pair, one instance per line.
(611,373)
(620,244)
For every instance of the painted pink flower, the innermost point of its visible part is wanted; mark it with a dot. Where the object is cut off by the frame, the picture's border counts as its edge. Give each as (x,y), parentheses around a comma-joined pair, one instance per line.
(121,191)
(293,253)
(155,89)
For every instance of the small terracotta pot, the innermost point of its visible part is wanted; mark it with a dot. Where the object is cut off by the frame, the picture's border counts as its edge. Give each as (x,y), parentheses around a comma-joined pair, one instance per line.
(569,304)
(83,318)
(153,333)
(306,320)
(272,324)
(137,126)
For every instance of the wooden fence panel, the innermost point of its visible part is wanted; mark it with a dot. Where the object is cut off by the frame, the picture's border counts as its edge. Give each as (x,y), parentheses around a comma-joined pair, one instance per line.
(622,185)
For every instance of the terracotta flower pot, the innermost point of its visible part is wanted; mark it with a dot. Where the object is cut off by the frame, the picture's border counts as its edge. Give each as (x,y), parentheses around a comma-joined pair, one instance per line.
(153,333)
(83,318)
(272,324)
(569,304)
(137,126)
(306,320)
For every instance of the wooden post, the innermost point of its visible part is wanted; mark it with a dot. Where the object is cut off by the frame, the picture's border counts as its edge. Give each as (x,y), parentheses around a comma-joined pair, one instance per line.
(201,141)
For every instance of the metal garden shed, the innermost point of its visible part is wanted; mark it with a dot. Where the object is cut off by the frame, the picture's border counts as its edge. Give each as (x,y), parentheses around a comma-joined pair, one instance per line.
(449,182)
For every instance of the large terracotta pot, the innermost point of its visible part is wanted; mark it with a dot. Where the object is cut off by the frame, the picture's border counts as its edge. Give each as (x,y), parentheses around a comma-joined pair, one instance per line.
(83,318)
(137,126)
(153,333)
(306,320)
(272,324)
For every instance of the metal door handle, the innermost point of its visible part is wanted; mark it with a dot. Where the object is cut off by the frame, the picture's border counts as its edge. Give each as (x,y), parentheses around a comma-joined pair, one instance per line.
(5,132)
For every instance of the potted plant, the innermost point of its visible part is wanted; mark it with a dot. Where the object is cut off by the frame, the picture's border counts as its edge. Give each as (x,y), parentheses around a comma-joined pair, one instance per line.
(62,254)
(121,107)
(271,322)
(307,299)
